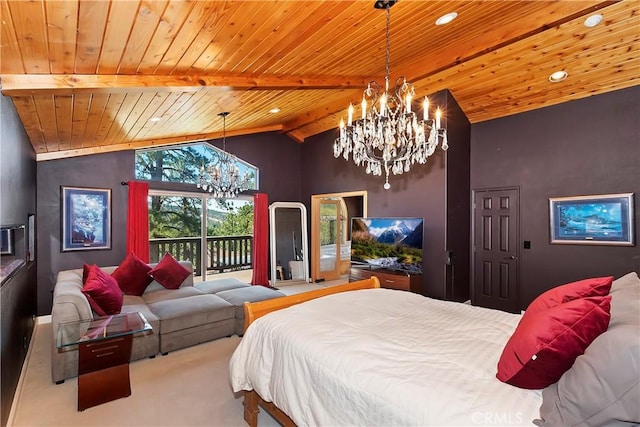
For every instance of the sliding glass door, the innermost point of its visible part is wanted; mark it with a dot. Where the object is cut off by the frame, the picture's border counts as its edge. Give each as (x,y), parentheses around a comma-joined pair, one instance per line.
(217,238)
(175,227)
(229,235)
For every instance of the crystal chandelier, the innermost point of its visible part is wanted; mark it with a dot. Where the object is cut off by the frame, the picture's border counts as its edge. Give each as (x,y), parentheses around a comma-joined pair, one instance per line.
(389,135)
(222,178)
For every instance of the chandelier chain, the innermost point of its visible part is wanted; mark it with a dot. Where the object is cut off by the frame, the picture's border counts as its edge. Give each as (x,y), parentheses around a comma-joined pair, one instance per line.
(224,133)
(224,115)
(388,52)
(222,177)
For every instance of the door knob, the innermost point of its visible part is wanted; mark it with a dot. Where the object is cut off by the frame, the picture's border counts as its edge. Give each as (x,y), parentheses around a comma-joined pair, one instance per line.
(511,257)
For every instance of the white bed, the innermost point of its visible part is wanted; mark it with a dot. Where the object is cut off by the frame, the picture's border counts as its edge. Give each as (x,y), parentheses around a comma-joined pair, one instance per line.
(383,357)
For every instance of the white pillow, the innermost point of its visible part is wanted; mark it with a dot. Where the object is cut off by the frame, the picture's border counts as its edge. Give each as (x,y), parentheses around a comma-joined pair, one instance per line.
(602,388)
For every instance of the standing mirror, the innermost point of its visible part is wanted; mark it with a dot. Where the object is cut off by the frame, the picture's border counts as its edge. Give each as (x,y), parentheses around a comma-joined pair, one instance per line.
(288,243)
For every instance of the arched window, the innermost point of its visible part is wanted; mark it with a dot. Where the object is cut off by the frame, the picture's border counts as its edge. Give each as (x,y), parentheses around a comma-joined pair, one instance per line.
(182,163)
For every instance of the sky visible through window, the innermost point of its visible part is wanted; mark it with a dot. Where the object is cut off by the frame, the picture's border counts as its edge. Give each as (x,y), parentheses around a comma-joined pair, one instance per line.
(183,164)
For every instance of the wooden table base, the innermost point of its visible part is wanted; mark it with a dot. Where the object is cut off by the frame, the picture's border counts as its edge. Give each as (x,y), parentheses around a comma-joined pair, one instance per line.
(103,371)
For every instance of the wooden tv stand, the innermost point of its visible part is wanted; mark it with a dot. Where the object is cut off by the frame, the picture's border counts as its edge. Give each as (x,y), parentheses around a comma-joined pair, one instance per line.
(388,278)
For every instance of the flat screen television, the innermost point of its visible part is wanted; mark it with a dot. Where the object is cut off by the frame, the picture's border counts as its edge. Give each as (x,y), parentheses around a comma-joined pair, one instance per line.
(389,243)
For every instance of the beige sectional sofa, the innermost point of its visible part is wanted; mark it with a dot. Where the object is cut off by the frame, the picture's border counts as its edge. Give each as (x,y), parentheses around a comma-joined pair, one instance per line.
(179,317)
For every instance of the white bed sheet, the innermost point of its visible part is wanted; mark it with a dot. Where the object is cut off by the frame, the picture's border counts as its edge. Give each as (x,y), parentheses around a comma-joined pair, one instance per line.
(383,357)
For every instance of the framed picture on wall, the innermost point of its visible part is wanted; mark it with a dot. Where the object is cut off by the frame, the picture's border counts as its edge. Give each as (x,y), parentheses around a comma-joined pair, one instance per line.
(86,218)
(592,220)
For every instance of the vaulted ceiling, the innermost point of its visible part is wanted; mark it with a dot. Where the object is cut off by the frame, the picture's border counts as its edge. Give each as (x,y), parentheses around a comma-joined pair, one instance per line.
(87,76)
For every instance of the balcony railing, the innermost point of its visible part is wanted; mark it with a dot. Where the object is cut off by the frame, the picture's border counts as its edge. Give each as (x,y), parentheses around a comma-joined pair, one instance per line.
(224,253)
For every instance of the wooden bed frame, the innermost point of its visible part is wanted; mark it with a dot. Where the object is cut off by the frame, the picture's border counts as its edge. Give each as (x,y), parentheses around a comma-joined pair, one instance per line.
(255,310)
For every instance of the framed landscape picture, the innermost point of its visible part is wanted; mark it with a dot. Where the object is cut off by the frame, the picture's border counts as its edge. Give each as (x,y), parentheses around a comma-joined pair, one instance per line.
(592,220)
(86,218)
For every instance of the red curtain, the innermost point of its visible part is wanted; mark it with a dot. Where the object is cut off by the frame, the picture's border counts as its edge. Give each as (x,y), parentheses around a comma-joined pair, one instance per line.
(138,220)
(260,240)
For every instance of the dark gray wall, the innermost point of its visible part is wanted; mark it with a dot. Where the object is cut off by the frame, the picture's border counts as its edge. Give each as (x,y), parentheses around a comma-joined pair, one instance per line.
(98,171)
(588,146)
(18,293)
(420,193)
(458,207)
(277,157)
(17,166)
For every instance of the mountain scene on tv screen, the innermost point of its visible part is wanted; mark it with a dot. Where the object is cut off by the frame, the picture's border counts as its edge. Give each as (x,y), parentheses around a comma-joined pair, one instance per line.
(394,244)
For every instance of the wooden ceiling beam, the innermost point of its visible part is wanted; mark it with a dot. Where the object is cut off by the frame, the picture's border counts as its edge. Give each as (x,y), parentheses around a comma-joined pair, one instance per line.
(149,143)
(66,84)
(335,107)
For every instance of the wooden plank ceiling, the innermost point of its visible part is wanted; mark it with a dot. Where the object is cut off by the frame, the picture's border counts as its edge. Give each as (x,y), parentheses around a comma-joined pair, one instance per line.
(87,76)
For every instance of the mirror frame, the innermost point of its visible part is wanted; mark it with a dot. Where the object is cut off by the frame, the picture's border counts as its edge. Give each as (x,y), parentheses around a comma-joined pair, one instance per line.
(272,239)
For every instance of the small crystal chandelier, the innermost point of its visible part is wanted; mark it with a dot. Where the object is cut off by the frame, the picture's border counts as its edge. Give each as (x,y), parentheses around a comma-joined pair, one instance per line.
(389,135)
(222,178)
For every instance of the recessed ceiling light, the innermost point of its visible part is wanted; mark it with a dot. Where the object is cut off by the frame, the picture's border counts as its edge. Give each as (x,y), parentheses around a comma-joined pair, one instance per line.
(274,110)
(593,20)
(558,76)
(154,119)
(445,19)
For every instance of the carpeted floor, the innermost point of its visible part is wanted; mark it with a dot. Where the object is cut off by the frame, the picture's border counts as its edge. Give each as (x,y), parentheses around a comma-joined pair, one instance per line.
(188,387)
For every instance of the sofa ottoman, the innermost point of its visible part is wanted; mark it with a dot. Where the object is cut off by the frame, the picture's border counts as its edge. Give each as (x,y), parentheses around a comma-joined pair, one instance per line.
(169,294)
(219,285)
(192,320)
(237,297)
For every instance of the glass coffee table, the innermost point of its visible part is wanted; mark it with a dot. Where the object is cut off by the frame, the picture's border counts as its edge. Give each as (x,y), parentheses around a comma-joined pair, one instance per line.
(104,352)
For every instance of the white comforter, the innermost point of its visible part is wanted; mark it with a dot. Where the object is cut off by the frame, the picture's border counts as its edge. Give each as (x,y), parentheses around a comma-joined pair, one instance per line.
(383,357)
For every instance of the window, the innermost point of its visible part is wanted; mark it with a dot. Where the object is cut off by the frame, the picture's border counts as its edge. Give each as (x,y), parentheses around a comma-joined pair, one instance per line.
(214,234)
(182,163)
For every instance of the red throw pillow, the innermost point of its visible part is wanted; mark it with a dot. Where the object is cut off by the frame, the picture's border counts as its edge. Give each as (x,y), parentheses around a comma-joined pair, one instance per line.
(132,275)
(597,286)
(545,344)
(102,291)
(169,273)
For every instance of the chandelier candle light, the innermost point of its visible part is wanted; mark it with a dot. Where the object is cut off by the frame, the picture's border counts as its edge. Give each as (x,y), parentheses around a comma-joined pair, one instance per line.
(222,178)
(389,135)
